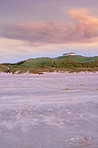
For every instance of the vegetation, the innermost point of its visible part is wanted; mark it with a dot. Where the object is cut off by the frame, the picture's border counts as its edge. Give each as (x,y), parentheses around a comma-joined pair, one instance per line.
(60,64)
(3,68)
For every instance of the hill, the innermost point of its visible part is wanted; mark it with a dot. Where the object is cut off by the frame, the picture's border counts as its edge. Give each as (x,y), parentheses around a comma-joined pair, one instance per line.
(70,63)
(78,58)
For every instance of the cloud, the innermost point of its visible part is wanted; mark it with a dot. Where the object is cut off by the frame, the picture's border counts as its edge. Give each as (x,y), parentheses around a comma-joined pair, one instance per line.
(83,29)
(36,32)
(86,25)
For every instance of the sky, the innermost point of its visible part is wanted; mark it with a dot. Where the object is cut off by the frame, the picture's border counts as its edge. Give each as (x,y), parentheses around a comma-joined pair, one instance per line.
(47,28)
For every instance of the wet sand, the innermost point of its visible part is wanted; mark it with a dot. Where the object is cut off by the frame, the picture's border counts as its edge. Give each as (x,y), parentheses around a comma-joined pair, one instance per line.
(55,110)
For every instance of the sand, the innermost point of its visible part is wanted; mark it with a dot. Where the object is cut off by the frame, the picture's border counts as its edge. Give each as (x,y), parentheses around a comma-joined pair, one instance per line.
(53,110)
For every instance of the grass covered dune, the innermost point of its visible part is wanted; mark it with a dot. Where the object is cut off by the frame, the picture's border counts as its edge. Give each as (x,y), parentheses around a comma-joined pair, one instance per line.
(70,63)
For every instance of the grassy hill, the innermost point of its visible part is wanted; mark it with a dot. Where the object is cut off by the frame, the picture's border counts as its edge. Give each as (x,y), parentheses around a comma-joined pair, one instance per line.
(78,58)
(38,62)
(63,63)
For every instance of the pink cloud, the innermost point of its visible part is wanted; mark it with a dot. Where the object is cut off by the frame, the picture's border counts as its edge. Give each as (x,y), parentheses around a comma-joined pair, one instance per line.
(85,23)
(84,29)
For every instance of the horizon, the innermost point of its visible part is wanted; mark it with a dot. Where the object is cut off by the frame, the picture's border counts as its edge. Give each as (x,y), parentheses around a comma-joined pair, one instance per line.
(32,29)
(42,57)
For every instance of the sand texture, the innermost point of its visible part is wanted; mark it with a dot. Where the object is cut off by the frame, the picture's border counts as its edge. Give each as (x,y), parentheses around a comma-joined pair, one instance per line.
(56,110)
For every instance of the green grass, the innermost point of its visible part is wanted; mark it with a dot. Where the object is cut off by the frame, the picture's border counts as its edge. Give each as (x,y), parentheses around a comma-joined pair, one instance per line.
(38,62)
(39,65)
(78,58)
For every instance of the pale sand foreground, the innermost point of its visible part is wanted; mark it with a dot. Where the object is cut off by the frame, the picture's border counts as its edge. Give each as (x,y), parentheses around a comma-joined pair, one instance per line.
(54,110)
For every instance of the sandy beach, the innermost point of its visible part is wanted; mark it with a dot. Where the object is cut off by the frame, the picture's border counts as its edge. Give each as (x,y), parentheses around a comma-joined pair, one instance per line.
(52,110)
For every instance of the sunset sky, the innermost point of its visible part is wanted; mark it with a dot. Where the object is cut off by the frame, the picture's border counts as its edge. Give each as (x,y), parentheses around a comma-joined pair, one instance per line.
(47,28)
